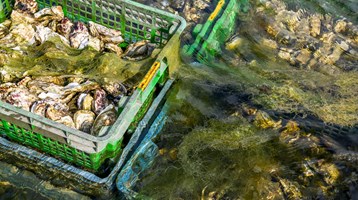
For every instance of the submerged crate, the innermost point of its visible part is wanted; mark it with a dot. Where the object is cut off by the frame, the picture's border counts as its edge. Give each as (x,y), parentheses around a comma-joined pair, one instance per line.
(215,31)
(137,22)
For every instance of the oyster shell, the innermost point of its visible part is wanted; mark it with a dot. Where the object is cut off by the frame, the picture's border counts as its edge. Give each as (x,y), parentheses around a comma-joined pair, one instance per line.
(79,36)
(67,120)
(100,101)
(44,33)
(95,43)
(76,87)
(18,17)
(107,35)
(51,79)
(106,118)
(78,80)
(5,89)
(84,101)
(21,97)
(26,6)
(20,34)
(315,23)
(56,111)
(4,28)
(139,50)
(115,89)
(114,48)
(234,42)
(39,107)
(64,27)
(36,86)
(24,81)
(46,15)
(341,26)
(49,95)
(84,120)
(263,120)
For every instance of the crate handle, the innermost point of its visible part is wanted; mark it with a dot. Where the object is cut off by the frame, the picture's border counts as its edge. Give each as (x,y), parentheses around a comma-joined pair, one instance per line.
(217,10)
(149,75)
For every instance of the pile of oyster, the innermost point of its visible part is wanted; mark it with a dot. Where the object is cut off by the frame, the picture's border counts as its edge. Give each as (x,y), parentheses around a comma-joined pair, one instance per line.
(75,102)
(309,40)
(28,26)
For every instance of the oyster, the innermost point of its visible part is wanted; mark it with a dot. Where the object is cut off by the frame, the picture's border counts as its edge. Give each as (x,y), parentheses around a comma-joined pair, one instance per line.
(84,120)
(49,95)
(5,89)
(51,79)
(72,104)
(340,27)
(78,80)
(79,36)
(95,43)
(20,34)
(107,35)
(84,101)
(53,88)
(100,101)
(66,120)
(315,22)
(76,87)
(289,189)
(67,98)
(21,97)
(106,118)
(35,86)
(56,111)
(139,50)
(263,120)
(114,48)
(64,27)
(4,28)
(44,33)
(24,81)
(18,17)
(234,42)
(46,15)
(26,6)
(115,89)
(39,107)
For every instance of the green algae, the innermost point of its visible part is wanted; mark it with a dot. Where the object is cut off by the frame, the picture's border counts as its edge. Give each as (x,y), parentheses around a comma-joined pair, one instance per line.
(54,58)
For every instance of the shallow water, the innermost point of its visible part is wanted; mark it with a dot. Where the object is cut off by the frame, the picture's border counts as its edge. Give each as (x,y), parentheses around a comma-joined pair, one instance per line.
(219,150)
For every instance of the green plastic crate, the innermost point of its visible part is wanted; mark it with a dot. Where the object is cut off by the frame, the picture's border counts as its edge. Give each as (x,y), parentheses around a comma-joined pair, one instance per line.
(5,9)
(137,22)
(217,29)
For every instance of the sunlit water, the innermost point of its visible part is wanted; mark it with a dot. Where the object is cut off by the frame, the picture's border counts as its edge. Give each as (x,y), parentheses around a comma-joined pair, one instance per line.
(212,148)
